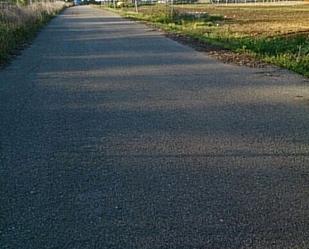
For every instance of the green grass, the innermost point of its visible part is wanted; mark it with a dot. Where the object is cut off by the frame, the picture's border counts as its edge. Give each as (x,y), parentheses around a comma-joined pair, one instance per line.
(20,23)
(262,31)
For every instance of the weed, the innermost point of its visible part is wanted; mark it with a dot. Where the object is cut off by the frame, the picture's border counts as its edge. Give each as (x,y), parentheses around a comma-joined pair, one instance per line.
(262,31)
(19,23)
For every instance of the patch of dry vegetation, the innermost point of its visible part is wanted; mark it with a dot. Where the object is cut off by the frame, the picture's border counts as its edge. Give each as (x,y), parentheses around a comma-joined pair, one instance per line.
(18,23)
(277,34)
(257,20)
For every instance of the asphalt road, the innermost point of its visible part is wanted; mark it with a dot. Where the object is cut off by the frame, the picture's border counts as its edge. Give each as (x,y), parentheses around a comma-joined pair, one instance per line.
(113,136)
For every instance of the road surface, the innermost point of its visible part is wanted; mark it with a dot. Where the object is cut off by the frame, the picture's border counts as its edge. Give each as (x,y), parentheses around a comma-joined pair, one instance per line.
(113,136)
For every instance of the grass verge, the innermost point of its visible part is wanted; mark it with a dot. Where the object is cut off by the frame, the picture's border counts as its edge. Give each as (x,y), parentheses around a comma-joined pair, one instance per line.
(18,24)
(273,34)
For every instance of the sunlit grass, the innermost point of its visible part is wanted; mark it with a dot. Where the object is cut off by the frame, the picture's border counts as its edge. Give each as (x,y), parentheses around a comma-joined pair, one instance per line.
(277,34)
(18,23)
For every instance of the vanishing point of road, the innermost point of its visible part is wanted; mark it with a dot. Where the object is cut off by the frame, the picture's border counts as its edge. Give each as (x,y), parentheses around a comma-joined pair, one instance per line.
(113,136)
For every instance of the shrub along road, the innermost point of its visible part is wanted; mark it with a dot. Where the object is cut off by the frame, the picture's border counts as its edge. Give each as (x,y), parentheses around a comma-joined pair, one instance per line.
(113,136)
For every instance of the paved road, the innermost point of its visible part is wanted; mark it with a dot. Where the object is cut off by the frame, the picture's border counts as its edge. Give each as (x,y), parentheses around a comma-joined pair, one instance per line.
(113,136)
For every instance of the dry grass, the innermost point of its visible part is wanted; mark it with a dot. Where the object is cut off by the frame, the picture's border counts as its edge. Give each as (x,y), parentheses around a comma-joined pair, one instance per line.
(18,23)
(258,20)
(17,15)
(273,33)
